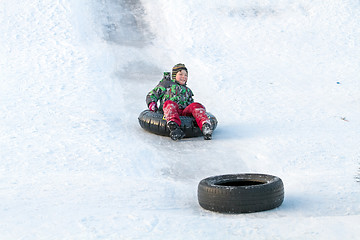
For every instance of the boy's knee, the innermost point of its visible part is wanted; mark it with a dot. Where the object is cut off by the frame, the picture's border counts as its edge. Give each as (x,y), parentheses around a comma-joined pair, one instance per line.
(171,108)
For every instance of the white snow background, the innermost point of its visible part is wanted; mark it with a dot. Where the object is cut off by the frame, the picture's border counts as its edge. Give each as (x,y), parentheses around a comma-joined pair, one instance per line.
(282,78)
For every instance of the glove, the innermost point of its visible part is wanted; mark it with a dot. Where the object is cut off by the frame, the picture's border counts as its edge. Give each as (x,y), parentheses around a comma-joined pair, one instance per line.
(153,107)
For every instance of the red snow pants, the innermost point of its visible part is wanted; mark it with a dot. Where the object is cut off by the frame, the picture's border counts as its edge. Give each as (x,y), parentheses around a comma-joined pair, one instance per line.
(173,113)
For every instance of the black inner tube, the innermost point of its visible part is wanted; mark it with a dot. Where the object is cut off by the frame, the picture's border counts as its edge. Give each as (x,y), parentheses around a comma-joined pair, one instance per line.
(154,122)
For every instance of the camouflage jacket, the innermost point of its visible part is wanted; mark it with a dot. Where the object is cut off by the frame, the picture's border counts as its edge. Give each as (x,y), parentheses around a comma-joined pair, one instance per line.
(169,89)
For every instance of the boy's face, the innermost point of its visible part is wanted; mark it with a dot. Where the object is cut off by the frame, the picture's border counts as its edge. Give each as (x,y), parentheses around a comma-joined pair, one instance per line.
(181,77)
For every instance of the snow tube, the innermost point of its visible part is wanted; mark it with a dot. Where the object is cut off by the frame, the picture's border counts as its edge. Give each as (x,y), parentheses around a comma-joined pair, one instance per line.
(241,193)
(155,122)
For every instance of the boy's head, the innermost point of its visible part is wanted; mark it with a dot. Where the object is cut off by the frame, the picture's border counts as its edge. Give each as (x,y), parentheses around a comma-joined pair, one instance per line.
(179,73)
(176,69)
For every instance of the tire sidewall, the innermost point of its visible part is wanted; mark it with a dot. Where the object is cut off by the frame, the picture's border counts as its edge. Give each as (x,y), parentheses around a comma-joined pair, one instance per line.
(241,199)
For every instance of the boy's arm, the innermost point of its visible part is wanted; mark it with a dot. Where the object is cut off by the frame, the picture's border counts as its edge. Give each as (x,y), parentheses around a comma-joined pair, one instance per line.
(191,100)
(155,94)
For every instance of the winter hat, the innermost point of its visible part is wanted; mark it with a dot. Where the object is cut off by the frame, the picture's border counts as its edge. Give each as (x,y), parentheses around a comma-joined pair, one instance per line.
(178,67)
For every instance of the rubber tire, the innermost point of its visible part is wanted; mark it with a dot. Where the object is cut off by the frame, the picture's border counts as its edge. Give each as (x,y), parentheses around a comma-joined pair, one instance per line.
(154,122)
(241,193)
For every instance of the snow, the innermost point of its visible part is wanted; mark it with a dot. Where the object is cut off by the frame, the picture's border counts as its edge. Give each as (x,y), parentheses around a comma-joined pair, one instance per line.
(282,78)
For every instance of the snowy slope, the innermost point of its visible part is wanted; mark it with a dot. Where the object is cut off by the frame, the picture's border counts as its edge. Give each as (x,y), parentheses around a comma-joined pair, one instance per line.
(281,77)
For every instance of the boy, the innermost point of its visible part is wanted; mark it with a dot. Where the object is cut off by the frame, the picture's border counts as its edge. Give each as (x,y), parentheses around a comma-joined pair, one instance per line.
(175,101)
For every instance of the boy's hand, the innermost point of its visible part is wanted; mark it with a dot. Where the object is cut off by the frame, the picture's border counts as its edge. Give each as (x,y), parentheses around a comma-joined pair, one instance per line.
(153,107)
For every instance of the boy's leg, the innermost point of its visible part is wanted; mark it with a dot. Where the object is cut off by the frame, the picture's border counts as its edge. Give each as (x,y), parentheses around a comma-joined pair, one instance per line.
(172,116)
(198,111)
(171,112)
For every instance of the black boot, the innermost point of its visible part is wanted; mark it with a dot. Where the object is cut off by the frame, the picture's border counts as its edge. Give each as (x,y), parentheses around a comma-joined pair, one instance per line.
(175,131)
(207,131)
